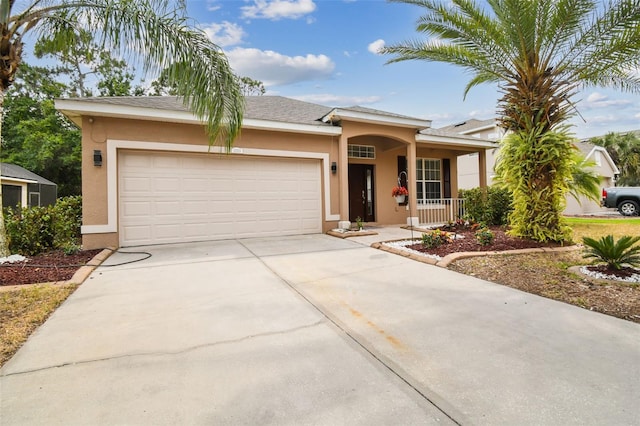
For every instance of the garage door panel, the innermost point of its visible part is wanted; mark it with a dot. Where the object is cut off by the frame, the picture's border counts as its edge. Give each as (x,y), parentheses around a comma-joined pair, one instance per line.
(169,197)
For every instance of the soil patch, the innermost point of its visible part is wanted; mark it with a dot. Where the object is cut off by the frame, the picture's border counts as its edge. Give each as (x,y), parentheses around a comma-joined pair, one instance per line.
(463,239)
(46,267)
(548,275)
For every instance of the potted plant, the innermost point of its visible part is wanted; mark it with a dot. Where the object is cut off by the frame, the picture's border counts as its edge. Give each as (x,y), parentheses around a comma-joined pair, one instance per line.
(400,193)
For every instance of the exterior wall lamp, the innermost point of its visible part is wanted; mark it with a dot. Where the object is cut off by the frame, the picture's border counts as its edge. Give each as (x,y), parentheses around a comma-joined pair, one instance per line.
(334,167)
(97,158)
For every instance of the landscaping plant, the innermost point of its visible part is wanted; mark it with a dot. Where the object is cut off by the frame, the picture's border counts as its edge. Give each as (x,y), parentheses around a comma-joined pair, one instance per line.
(614,253)
(490,205)
(484,236)
(33,230)
(435,238)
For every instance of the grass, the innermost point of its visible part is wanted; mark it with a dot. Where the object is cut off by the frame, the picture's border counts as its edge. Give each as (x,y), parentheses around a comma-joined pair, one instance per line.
(24,310)
(599,227)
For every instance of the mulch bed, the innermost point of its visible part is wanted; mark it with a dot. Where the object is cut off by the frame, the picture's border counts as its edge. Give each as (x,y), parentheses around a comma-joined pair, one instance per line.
(501,242)
(46,267)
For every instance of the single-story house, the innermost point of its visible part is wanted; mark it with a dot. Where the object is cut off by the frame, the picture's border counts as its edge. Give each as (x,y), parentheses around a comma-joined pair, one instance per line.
(23,188)
(150,177)
(468,176)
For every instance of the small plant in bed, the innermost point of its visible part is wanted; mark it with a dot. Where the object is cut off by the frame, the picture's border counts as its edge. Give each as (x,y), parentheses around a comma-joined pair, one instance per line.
(619,257)
(435,238)
(472,238)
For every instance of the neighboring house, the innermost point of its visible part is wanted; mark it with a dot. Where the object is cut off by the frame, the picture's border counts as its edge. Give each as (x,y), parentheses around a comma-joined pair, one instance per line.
(468,176)
(149,176)
(20,187)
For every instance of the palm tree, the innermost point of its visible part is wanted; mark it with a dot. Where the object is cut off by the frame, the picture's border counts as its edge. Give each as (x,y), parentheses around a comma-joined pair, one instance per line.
(540,53)
(156,31)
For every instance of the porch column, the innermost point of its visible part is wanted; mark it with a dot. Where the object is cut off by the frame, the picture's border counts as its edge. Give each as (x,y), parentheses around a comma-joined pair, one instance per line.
(413,219)
(343,177)
(482,168)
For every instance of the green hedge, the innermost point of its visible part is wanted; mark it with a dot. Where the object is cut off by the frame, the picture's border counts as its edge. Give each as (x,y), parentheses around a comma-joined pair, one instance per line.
(490,206)
(34,230)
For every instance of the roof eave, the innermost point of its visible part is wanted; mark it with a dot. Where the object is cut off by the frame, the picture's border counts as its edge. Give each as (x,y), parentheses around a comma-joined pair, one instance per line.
(452,140)
(75,109)
(364,117)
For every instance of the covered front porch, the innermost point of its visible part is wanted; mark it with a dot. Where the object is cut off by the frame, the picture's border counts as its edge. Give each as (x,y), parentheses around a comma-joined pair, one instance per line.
(412,156)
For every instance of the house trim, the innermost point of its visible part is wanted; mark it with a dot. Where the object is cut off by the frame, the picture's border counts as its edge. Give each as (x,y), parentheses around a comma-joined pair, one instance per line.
(76,109)
(366,117)
(452,140)
(112,172)
(606,155)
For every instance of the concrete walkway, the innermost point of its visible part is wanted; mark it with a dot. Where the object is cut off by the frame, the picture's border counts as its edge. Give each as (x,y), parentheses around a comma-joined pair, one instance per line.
(315,330)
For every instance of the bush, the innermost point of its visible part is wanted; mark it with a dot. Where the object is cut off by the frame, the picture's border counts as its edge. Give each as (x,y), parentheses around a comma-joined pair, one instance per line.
(34,230)
(67,220)
(490,205)
(614,253)
(435,238)
(29,230)
(484,236)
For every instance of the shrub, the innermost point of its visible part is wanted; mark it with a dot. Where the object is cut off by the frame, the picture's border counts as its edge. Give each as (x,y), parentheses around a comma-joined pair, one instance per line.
(67,220)
(484,236)
(490,205)
(614,253)
(33,230)
(29,230)
(435,238)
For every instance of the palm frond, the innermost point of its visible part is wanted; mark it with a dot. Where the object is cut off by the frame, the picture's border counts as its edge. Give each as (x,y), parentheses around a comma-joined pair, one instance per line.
(157,33)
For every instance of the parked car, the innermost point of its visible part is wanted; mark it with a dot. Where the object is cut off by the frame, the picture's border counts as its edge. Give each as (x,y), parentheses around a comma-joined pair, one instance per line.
(625,199)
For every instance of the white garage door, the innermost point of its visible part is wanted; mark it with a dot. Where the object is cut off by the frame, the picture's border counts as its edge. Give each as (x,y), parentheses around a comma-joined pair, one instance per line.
(171,197)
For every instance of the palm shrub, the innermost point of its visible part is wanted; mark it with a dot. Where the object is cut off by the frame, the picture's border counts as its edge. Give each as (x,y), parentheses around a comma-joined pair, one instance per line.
(539,183)
(614,253)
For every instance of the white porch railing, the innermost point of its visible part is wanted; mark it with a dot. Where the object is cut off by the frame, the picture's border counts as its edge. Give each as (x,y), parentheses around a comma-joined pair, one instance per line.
(440,211)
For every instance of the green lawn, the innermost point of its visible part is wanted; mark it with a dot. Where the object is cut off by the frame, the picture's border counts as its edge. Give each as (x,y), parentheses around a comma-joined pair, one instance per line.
(599,227)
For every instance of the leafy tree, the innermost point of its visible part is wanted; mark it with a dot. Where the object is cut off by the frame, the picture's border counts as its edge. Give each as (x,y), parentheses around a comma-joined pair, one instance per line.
(83,59)
(157,31)
(540,53)
(35,135)
(251,87)
(624,149)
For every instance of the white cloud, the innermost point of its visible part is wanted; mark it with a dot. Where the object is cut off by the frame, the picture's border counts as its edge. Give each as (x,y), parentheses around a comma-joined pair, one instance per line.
(224,34)
(637,116)
(337,100)
(278,9)
(275,69)
(213,5)
(376,46)
(599,100)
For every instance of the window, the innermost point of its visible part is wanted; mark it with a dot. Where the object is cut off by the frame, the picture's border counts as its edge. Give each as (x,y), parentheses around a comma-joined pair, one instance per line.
(428,180)
(361,151)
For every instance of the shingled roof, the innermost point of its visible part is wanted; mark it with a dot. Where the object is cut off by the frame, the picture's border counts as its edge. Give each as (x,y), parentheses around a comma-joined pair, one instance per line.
(16,172)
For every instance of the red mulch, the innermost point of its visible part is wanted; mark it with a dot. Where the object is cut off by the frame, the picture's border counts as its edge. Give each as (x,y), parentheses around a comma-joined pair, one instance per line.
(501,242)
(46,267)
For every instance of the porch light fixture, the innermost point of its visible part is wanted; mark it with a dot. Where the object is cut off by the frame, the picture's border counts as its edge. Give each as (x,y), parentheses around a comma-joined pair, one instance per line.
(334,167)
(97,158)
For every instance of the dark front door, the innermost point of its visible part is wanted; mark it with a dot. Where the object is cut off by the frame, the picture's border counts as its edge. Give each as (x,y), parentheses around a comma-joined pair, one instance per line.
(361,190)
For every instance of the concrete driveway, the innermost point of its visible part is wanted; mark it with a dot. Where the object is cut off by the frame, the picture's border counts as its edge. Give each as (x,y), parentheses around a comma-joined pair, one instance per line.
(315,330)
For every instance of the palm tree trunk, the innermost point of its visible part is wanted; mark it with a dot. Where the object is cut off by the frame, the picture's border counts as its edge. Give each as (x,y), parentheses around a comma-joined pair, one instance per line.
(4,243)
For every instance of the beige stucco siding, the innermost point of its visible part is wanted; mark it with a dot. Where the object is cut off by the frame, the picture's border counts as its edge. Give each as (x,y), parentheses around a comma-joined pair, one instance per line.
(98,131)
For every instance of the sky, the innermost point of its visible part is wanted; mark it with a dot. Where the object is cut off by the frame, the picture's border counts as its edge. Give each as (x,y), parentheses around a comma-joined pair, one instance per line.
(326,52)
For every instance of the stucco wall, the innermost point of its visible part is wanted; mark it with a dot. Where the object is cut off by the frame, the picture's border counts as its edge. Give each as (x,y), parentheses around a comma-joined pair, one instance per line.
(98,130)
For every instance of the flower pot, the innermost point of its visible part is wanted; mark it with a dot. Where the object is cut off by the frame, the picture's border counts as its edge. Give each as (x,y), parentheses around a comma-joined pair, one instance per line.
(400,199)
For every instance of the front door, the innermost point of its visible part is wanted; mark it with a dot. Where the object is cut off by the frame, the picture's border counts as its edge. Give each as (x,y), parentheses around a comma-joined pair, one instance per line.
(361,190)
